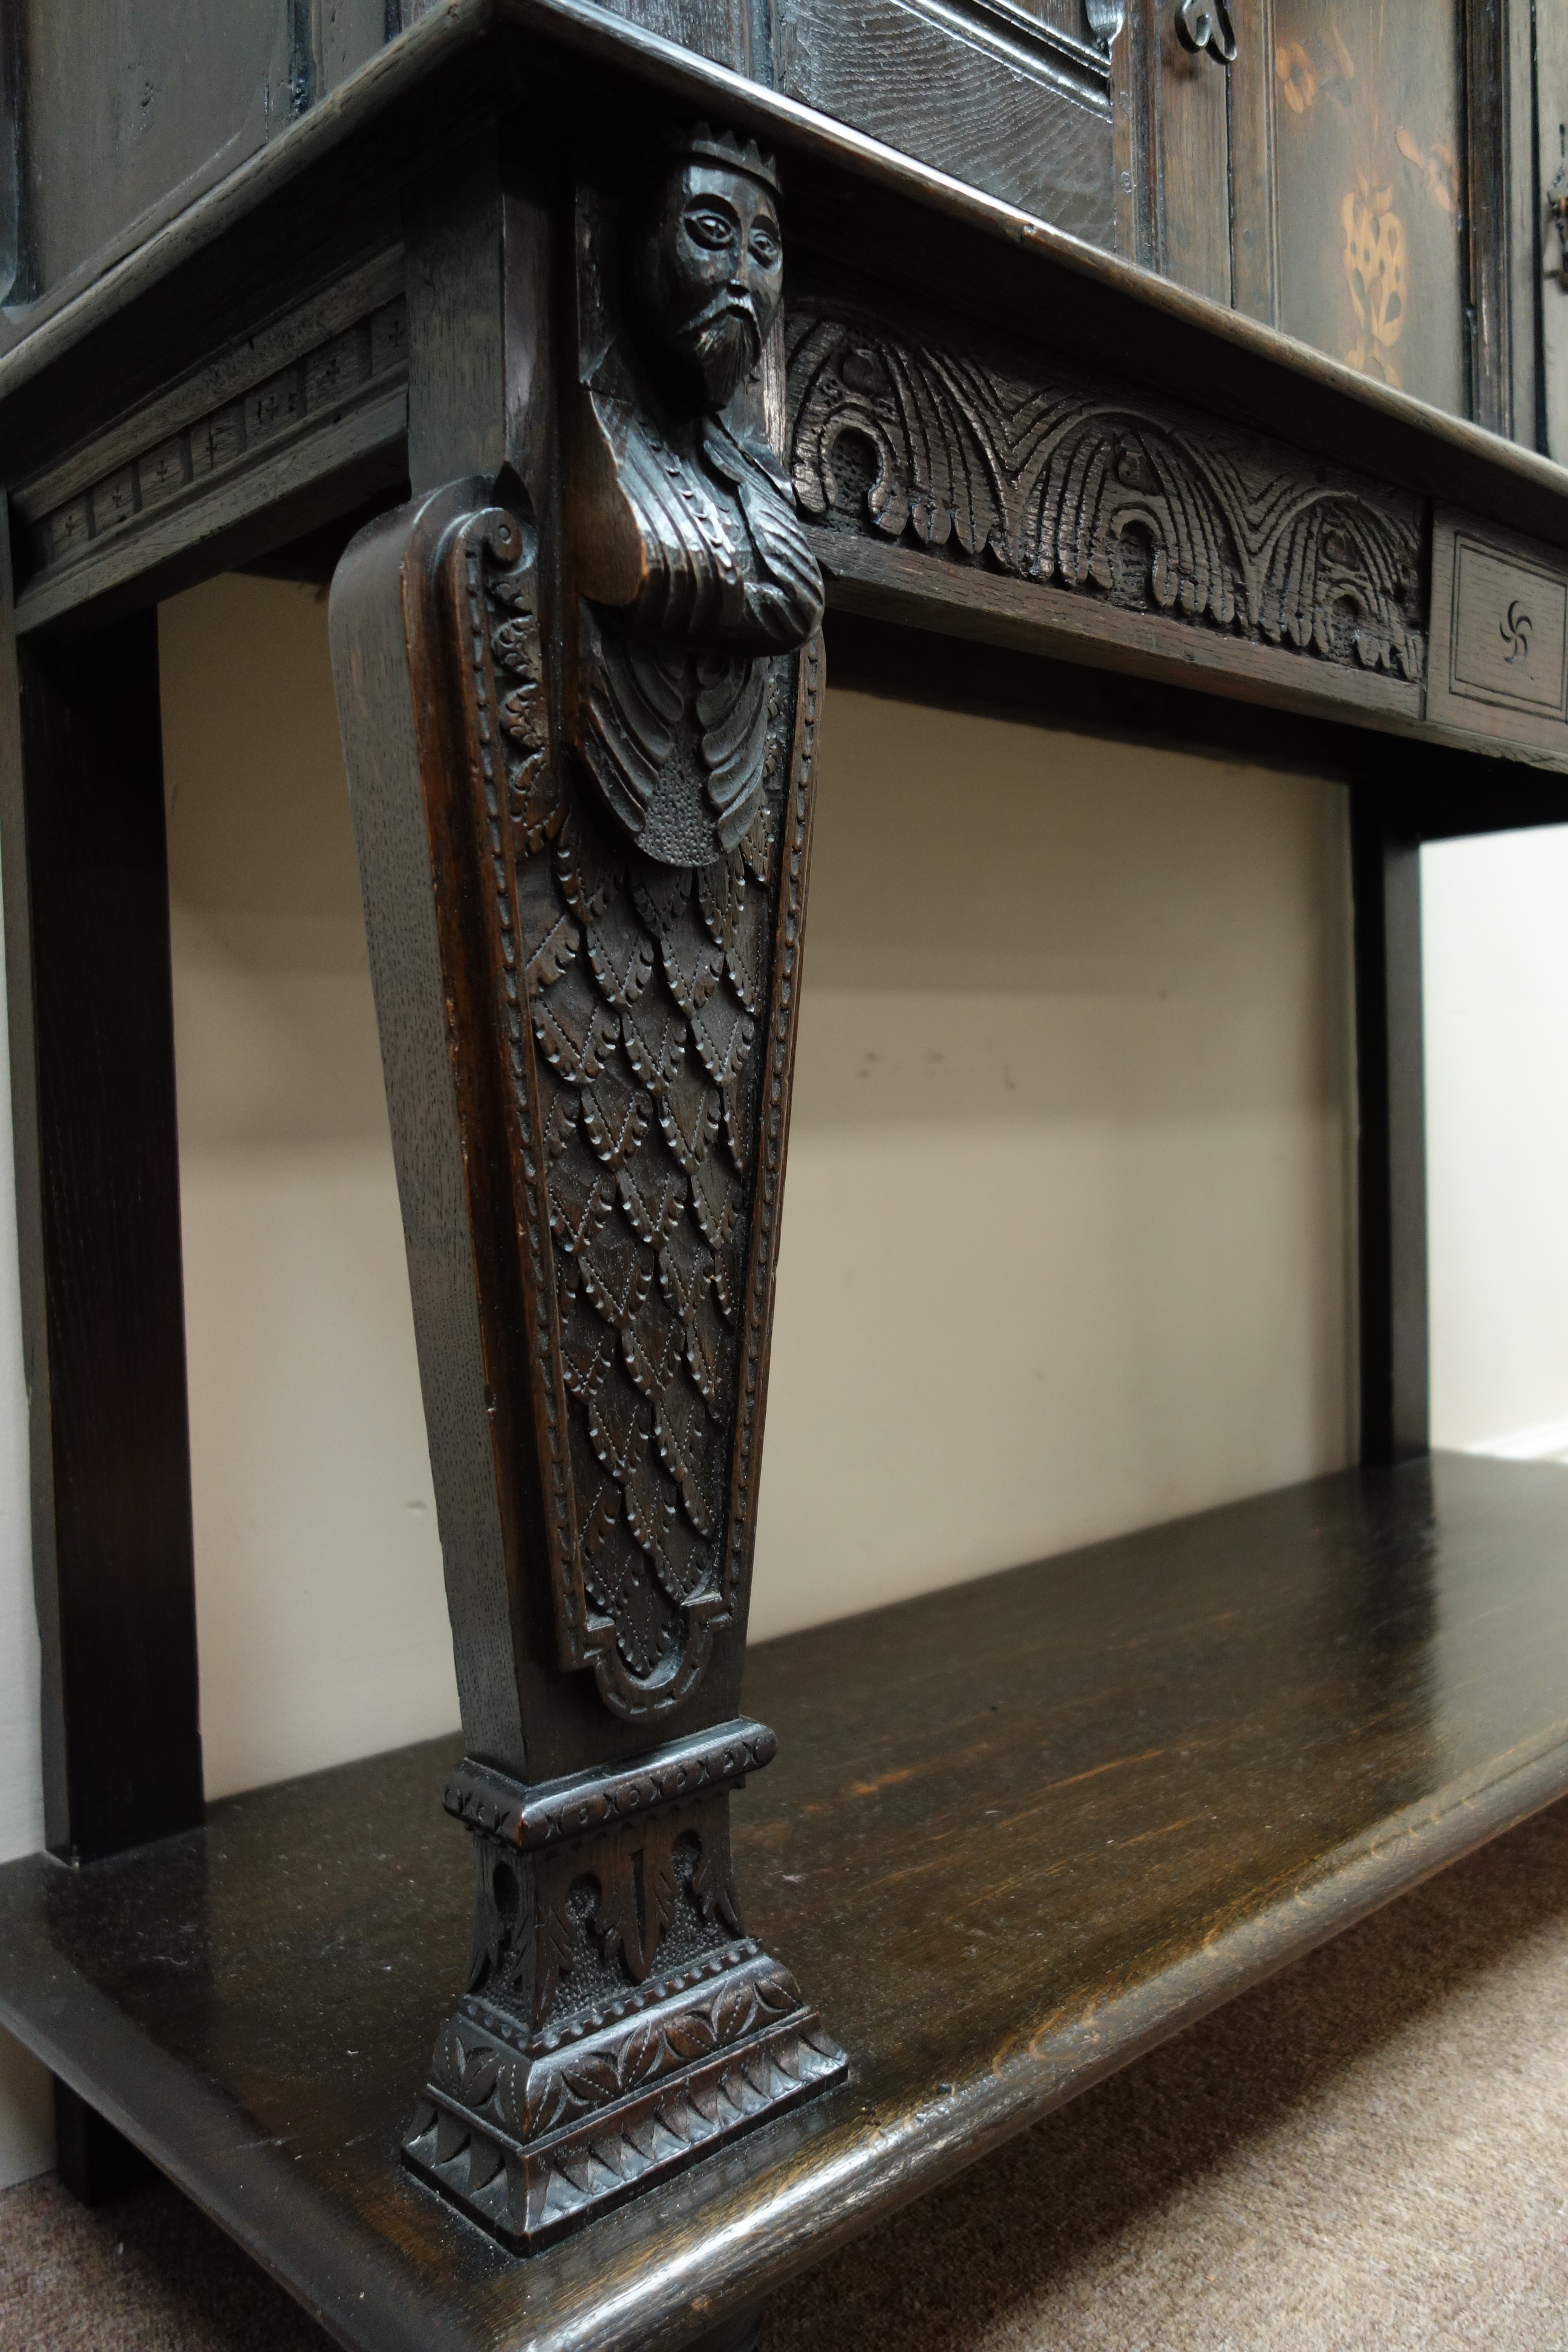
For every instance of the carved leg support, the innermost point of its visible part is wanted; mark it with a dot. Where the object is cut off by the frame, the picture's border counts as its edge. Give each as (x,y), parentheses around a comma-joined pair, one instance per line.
(618,2020)
(579,706)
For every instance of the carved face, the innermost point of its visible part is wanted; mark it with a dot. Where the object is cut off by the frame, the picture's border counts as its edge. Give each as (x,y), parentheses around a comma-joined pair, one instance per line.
(710,280)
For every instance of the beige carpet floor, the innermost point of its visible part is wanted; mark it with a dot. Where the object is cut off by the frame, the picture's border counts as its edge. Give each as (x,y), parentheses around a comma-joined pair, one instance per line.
(1370,2150)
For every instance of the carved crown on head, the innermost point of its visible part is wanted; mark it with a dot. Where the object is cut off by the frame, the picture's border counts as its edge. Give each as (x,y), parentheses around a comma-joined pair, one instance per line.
(727,148)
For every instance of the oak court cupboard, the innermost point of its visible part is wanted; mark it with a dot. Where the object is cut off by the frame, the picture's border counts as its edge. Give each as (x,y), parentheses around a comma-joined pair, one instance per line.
(1185,369)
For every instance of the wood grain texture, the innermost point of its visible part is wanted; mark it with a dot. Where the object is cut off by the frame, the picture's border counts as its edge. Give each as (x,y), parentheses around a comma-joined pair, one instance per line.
(1194,163)
(1057,1814)
(580,732)
(132,113)
(1391,1134)
(348,33)
(1488,129)
(282,486)
(898,585)
(1429,792)
(1038,139)
(1500,650)
(846,195)
(1254,223)
(717,29)
(994,461)
(1526,262)
(91,1029)
(453,240)
(383,724)
(273,423)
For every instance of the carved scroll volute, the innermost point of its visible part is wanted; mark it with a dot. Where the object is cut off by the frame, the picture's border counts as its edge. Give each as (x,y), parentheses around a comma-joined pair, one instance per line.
(642,866)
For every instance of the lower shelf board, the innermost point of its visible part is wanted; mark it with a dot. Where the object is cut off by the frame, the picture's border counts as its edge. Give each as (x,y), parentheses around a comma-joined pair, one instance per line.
(1018,1832)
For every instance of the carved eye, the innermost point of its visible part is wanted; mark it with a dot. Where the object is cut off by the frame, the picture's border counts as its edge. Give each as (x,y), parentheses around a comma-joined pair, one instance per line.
(710,229)
(764,248)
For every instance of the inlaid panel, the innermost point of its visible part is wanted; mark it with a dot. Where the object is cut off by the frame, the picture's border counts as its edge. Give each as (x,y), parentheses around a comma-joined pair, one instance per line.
(1369,164)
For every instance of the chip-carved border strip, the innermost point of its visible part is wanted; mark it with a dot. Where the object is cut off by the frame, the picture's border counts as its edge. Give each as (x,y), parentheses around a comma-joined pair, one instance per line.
(360,360)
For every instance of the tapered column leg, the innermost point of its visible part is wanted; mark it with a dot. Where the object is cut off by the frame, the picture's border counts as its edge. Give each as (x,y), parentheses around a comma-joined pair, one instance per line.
(579,703)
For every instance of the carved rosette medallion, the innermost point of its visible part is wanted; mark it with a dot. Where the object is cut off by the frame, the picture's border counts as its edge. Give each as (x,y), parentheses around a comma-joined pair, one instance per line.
(1087,488)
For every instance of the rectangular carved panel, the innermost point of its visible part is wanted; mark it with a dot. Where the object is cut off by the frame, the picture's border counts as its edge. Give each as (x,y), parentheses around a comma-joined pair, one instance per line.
(1500,634)
(997,94)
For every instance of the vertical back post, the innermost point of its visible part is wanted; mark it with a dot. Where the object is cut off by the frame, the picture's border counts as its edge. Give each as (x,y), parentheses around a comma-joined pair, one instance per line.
(1391,1142)
(93,1078)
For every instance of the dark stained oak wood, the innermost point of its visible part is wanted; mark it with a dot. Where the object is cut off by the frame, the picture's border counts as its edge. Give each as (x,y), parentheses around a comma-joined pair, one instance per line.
(1488,129)
(1391,1140)
(1195,161)
(92,1079)
(579,710)
(1427,792)
(856,196)
(1254,224)
(524,258)
(979,93)
(1052,1817)
(94,2160)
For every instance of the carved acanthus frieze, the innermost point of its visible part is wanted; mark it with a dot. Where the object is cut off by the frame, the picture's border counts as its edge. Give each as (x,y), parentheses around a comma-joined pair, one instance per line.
(1087,489)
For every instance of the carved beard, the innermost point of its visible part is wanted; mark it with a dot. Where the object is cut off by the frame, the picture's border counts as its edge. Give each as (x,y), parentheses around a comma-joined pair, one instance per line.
(720,347)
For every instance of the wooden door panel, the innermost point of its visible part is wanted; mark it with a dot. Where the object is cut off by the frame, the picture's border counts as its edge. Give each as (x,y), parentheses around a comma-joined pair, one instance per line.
(1001,95)
(1369,165)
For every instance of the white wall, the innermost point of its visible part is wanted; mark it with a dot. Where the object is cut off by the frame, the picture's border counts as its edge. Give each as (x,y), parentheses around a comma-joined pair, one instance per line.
(1495,946)
(1065,1241)
(1073,1045)
(321,1617)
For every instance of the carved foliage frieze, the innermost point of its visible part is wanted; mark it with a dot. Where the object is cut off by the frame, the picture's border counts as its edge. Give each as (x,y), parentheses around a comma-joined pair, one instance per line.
(1032,472)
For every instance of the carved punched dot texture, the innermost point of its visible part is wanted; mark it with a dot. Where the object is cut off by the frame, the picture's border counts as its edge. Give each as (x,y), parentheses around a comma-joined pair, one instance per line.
(646,986)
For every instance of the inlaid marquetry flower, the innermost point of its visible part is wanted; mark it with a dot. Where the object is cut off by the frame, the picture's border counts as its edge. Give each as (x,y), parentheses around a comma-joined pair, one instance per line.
(1438,167)
(1297,79)
(1374,270)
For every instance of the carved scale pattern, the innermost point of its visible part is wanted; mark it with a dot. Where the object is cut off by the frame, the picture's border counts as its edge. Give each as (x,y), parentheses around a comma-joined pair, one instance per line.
(641,1006)
(1063,482)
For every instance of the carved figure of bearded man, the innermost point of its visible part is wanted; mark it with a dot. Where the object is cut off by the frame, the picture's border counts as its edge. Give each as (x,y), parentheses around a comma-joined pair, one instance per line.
(698,573)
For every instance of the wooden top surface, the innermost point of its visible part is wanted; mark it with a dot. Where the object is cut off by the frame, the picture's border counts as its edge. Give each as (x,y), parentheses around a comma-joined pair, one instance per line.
(1018,1832)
